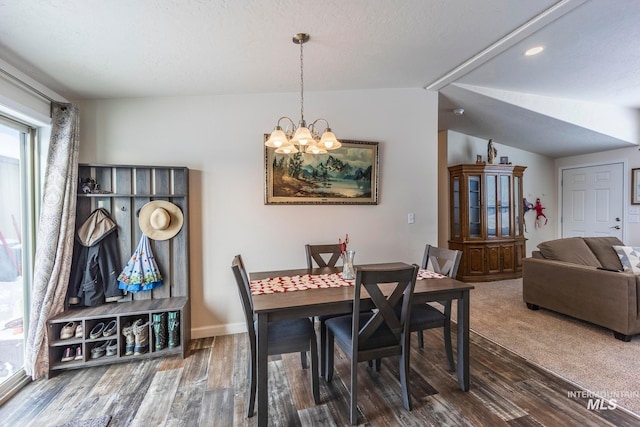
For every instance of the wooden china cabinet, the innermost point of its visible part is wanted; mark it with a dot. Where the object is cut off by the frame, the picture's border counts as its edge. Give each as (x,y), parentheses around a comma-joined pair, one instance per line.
(487,221)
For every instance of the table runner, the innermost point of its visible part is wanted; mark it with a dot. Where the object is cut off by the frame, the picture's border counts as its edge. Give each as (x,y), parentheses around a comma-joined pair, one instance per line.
(308,281)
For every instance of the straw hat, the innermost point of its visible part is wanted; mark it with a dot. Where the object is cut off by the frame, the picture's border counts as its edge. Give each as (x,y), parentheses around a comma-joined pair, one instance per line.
(160,220)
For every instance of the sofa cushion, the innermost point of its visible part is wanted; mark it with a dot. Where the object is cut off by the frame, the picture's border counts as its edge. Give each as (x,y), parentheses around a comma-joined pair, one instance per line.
(570,249)
(629,257)
(538,255)
(602,248)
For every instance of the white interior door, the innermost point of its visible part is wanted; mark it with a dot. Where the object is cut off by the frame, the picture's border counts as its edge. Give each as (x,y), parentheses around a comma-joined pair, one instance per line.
(592,201)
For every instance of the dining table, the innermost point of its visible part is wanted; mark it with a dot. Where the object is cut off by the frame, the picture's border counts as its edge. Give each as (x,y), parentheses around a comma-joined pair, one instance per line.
(291,304)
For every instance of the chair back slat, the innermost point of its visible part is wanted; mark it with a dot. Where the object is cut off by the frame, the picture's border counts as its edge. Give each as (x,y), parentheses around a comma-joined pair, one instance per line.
(441,260)
(441,266)
(384,313)
(317,254)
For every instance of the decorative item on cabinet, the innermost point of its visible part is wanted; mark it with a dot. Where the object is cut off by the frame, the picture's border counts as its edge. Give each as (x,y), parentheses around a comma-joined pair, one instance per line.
(487,220)
(492,152)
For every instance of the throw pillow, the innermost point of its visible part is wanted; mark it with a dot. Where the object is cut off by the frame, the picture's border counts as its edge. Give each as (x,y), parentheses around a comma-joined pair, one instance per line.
(570,249)
(629,257)
(602,248)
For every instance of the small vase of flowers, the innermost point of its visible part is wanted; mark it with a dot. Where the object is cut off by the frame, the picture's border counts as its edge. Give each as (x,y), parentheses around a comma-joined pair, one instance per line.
(347,259)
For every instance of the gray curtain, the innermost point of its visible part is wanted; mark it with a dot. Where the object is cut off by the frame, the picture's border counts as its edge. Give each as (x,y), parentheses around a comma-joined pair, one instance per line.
(54,239)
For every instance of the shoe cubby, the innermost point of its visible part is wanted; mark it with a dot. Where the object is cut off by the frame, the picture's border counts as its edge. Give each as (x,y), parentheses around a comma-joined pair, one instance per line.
(124,315)
(100,329)
(64,344)
(165,331)
(122,190)
(137,328)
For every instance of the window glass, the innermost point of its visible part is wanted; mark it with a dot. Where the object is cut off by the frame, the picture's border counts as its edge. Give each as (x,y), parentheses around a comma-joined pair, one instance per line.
(19,188)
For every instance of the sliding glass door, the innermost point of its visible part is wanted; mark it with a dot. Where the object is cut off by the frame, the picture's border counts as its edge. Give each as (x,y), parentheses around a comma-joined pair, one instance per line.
(17,225)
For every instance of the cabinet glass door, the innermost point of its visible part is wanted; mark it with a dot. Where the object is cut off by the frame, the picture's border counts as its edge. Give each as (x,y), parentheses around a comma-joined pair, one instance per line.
(492,206)
(505,208)
(517,202)
(474,206)
(457,223)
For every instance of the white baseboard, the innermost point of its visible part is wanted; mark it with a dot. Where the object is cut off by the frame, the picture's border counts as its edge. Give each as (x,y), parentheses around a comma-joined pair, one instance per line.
(214,331)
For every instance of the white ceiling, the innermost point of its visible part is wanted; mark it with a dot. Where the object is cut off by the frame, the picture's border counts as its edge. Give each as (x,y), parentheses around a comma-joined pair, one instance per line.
(85,49)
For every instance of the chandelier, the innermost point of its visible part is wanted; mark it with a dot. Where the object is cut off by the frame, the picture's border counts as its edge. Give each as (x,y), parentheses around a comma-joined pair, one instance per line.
(303,139)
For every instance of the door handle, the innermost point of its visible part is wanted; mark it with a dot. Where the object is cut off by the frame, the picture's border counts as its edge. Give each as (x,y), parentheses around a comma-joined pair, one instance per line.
(617,227)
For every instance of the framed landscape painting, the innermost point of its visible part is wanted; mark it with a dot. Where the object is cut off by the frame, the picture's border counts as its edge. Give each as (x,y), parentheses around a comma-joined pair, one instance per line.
(348,175)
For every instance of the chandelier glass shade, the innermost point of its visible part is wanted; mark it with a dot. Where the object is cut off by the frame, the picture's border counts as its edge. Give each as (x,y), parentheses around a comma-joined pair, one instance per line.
(295,139)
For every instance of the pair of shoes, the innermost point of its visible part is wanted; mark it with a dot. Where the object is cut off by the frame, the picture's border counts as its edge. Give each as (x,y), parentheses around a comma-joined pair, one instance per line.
(96,331)
(112,347)
(141,333)
(127,331)
(174,329)
(79,331)
(110,329)
(71,353)
(68,355)
(99,350)
(68,331)
(160,330)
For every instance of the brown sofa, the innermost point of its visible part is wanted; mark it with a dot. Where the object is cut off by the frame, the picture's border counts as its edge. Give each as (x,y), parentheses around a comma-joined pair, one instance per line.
(568,276)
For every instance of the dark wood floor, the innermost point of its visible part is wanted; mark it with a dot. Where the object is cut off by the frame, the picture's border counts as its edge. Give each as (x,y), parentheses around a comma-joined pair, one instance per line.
(208,389)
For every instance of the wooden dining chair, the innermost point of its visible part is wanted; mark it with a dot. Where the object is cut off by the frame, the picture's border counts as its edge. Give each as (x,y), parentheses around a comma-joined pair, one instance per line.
(284,336)
(322,256)
(366,336)
(426,316)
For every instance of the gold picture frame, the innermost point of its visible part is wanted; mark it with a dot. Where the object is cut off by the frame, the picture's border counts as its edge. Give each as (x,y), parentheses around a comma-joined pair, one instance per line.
(346,176)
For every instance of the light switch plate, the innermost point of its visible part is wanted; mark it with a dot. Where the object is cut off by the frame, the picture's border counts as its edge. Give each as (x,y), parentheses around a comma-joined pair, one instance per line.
(411,218)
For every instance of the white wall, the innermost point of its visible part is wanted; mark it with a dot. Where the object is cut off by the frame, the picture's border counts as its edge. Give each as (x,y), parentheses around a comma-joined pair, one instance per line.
(539,181)
(220,138)
(631,159)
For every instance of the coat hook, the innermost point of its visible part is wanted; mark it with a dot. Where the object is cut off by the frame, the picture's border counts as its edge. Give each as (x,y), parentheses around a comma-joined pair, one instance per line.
(123,209)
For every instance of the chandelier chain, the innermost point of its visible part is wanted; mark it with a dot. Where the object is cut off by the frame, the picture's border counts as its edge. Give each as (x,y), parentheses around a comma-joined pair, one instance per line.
(301,83)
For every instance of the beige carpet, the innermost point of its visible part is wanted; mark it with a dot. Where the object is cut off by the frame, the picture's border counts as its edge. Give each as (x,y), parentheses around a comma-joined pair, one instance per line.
(584,354)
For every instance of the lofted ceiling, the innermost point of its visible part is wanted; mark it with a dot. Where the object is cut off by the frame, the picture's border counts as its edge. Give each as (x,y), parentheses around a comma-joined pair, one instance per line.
(582,94)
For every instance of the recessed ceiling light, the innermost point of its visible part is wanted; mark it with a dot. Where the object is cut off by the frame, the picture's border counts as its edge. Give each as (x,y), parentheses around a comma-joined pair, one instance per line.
(534,50)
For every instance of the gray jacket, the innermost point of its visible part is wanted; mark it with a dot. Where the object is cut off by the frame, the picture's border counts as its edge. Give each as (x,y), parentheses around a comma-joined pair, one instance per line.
(96,262)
